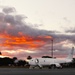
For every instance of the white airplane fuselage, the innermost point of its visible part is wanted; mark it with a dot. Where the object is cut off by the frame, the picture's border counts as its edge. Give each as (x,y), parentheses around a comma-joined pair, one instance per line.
(51,61)
(48,61)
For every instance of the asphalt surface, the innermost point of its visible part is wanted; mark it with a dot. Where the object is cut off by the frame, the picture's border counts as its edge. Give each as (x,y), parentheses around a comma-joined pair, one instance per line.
(23,71)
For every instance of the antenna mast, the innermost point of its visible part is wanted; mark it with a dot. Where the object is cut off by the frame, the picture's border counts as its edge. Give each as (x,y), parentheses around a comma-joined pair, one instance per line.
(52,48)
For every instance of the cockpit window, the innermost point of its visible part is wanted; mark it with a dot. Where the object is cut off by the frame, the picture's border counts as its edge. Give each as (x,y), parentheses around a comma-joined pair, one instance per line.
(37,61)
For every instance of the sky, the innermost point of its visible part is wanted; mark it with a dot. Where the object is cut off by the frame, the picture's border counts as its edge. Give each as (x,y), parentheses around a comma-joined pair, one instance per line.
(28,26)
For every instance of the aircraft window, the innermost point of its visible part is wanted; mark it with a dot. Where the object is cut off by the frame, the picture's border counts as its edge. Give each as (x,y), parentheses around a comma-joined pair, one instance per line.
(44,60)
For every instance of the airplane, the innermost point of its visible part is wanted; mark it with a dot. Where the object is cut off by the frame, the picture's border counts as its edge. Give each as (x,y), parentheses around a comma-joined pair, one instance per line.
(50,62)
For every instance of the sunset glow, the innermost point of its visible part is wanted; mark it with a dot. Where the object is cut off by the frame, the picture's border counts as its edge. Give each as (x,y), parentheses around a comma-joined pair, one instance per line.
(30,42)
(32,27)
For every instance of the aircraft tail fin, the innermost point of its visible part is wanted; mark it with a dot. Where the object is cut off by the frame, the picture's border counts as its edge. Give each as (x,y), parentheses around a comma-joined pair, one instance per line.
(70,56)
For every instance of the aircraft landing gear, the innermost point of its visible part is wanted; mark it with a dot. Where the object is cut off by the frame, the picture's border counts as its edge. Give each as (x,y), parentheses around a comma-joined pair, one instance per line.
(31,67)
(52,67)
(35,67)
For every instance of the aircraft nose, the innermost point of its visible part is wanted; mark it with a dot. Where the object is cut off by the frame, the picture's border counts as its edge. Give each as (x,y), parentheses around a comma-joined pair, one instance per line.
(31,62)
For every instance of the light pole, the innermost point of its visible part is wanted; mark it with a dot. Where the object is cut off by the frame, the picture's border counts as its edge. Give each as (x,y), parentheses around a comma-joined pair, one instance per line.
(52,48)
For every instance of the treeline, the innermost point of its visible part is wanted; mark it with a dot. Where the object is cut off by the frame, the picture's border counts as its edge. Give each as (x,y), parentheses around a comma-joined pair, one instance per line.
(12,62)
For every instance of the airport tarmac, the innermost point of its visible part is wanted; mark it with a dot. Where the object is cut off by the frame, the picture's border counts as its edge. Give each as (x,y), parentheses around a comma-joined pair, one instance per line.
(24,71)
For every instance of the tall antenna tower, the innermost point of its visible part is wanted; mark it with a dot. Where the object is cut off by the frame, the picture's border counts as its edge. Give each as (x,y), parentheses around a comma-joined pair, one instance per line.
(52,48)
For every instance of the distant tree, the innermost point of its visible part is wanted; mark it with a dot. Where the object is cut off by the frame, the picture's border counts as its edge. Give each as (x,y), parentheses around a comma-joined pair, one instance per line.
(73,60)
(5,61)
(21,62)
(14,58)
(15,61)
(0,53)
(29,57)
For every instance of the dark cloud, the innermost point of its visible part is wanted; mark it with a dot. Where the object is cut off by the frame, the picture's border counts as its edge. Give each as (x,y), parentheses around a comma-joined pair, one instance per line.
(66,19)
(8,10)
(71,30)
(12,26)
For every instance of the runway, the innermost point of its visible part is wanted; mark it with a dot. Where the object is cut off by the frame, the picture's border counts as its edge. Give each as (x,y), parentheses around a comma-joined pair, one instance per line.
(24,71)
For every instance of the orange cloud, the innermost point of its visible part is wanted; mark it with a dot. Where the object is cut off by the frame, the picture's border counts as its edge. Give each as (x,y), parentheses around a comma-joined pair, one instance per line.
(23,40)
